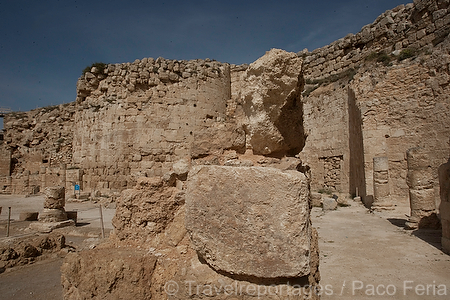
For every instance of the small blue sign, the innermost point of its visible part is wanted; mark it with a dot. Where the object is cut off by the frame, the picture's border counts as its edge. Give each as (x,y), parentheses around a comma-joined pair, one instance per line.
(77,187)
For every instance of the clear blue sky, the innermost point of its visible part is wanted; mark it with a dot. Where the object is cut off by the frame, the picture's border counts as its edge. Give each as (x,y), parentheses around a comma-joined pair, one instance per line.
(45,45)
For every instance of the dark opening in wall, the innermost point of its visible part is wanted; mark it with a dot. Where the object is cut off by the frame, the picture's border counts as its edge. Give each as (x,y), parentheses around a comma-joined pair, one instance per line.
(45,161)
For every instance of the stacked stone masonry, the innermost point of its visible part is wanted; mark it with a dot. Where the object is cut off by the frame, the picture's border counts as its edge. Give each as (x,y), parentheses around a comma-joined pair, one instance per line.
(378,93)
(420,25)
(421,192)
(375,93)
(129,120)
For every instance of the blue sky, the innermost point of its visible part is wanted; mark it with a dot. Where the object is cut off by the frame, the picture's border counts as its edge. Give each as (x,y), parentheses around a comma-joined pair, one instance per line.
(45,45)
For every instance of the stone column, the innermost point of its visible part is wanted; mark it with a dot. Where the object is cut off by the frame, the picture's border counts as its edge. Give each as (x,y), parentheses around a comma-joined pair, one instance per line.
(444,210)
(53,205)
(421,190)
(381,188)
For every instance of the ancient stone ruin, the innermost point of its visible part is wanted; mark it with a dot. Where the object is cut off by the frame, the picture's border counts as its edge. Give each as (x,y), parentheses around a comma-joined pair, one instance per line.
(54,205)
(421,192)
(191,152)
(53,215)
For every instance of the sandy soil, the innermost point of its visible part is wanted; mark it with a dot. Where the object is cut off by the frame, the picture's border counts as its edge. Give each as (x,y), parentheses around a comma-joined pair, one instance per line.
(370,256)
(42,280)
(363,255)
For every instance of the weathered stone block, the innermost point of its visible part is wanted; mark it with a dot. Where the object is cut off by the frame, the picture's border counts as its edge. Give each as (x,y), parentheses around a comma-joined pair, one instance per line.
(380,164)
(271,97)
(316,199)
(54,197)
(422,199)
(329,204)
(250,220)
(108,274)
(146,210)
(417,158)
(420,179)
(381,190)
(52,215)
(28,216)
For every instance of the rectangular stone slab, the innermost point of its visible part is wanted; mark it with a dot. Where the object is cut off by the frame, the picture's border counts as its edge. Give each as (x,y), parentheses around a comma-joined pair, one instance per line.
(250,221)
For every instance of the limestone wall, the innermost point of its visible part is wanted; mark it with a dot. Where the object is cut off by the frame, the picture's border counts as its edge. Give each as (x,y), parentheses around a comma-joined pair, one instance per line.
(378,93)
(137,119)
(129,120)
(5,161)
(419,25)
(40,145)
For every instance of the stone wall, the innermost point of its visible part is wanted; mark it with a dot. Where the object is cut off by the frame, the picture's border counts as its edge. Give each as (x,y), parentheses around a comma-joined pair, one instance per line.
(5,161)
(40,146)
(137,119)
(376,93)
(419,25)
(260,244)
(379,93)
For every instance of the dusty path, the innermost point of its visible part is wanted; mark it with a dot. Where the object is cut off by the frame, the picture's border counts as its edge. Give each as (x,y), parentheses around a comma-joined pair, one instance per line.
(371,256)
(42,280)
(39,281)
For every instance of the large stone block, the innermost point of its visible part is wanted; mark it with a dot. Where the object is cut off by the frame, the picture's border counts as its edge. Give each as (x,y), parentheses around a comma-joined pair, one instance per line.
(52,215)
(271,98)
(417,158)
(380,163)
(250,221)
(381,191)
(146,209)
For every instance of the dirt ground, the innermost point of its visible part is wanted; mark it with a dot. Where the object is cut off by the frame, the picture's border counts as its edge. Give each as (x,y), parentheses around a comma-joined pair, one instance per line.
(363,255)
(42,279)
(367,255)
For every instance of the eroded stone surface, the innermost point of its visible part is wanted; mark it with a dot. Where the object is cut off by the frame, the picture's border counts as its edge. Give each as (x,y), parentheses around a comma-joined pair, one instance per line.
(250,220)
(54,197)
(421,190)
(271,100)
(107,274)
(146,210)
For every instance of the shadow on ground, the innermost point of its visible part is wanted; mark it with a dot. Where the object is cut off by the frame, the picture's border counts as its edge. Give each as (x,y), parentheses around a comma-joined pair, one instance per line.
(431,236)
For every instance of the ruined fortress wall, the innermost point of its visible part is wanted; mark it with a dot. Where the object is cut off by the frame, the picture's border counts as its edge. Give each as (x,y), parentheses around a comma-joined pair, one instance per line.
(376,93)
(129,120)
(40,145)
(5,161)
(362,99)
(407,108)
(137,119)
(326,149)
(418,25)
